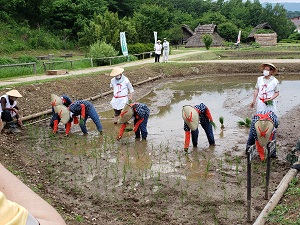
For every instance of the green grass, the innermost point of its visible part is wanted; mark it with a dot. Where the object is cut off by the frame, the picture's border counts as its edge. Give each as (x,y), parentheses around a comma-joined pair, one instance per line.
(287,211)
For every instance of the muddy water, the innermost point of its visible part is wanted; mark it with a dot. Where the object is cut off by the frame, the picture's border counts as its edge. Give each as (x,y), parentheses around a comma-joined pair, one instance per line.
(228,97)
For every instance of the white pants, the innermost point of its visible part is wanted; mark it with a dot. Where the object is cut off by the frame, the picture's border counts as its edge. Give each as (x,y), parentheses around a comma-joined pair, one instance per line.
(166,55)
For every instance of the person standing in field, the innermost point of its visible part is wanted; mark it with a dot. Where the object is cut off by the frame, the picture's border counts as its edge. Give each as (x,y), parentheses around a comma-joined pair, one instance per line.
(266,89)
(157,49)
(122,91)
(166,50)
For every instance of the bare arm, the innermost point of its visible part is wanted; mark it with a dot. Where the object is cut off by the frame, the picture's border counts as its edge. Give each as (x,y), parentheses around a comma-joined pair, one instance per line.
(18,192)
(274,96)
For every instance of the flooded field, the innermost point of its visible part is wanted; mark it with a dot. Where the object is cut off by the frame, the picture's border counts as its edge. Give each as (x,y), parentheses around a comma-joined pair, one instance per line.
(209,180)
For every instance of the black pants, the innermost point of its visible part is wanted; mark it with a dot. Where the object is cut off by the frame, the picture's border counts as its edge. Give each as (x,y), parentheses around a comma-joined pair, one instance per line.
(6,116)
(157,56)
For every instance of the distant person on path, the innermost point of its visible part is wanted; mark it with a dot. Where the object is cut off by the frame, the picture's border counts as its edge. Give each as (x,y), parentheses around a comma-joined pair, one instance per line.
(122,91)
(54,121)
(9,110)
(262,131)
(157,49)
(266,89)
(19,205)
(166,50)
(192,116)
(141,113)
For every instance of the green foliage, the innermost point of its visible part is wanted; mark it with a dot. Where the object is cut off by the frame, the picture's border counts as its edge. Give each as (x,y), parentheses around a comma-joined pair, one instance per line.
(212,17)
(207,39)
(62,24)
(139,48)
(151,18)
(7,60)
(228,31)
(264,31)
(245,123)
(101,49)
(174,35)
(294,36)
(221,120)
(27,59)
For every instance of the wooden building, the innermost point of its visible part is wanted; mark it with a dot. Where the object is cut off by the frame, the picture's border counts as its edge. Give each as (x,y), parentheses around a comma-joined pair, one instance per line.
(296,21)
(268,38)
(194,39)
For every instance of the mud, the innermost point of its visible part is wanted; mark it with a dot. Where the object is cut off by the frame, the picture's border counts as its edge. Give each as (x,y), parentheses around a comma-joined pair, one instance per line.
(101,181)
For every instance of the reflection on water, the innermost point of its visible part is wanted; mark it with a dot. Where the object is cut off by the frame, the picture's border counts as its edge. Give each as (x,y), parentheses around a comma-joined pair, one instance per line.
(228,97)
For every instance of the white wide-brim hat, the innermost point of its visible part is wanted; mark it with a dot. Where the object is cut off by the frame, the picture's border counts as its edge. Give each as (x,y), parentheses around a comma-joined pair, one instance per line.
(63,113)
(14,93)
(264,129)
(190,116)
(56,100)
(116,71)
(126,114)
(262,67)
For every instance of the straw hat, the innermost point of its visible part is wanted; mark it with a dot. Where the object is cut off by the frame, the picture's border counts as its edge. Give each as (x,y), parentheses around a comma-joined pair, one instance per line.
(264,130)
(190,116)
(262,67)
(158,41)
(63,113)
(116,71)
(56,100)
(14,93)
(126,114)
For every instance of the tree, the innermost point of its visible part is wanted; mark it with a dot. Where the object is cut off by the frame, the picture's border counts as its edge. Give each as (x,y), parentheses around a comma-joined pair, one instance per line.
(278,20)
(107,28)
(212,17)
(228,31)
(151,18)
(207,39)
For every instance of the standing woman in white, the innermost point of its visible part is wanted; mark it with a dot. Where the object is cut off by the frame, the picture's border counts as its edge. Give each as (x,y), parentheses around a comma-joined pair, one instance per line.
(266,89)
(122,91)
(166,50)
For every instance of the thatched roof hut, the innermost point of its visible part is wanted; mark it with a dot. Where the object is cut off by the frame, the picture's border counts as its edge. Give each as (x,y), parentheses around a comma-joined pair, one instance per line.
(195,40)
(265,39)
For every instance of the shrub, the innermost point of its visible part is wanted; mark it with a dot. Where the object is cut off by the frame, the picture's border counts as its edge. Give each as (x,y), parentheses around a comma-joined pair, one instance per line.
(26,59)
(101,50)
(7,60)
(138,48)
(207,39)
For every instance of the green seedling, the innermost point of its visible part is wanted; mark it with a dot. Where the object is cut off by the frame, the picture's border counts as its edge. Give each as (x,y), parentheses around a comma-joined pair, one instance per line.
(245,123)
(221,120)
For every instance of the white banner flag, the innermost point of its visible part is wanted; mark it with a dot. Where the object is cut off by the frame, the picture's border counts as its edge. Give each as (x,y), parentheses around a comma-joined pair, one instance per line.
(123,43)
(155,37)
(239,37)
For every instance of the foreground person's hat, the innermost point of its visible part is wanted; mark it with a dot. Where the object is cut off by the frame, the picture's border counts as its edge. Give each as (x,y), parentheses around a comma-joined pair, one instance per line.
(63,113)
(190,116)
(264,129)
(262,66)
(56,100)
(14,93)
(126,114)
(116,71)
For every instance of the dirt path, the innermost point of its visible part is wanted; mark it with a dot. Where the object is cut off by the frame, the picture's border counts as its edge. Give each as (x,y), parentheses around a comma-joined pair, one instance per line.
(143,62)
(84,187)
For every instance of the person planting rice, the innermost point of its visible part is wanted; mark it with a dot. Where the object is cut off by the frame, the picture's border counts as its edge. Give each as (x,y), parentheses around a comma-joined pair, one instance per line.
(262,131)
(192,116)
(141,113)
